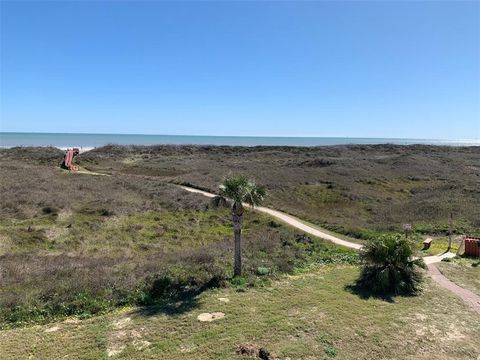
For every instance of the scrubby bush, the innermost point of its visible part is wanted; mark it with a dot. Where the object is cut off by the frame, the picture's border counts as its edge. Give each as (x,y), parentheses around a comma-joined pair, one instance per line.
(389,266)
(36,286)
(261,270)
(351,188)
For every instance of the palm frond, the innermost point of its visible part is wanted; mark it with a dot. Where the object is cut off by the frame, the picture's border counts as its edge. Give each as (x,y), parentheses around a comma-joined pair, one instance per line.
(389,266)
(242,189)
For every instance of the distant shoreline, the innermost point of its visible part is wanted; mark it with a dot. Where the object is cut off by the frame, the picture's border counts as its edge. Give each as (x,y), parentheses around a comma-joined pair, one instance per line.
(90,141)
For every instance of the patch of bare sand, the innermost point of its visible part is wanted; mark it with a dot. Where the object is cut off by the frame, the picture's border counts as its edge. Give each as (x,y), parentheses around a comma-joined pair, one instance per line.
(63,215)
(72,321)
(122,336)
(5,244)
(120,324)
(112,351)
(187,348)
(55,232)
(210,316)
(52,329)
(141,344)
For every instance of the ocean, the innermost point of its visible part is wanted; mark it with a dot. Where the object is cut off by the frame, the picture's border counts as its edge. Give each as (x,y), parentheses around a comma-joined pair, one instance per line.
(89,141)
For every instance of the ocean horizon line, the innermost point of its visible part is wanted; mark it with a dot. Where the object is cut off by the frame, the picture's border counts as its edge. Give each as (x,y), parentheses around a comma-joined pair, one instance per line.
(239,136)
(93,140)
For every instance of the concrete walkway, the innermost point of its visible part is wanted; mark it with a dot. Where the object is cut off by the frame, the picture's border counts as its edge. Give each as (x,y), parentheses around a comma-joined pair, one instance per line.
(437,258)
(471,299)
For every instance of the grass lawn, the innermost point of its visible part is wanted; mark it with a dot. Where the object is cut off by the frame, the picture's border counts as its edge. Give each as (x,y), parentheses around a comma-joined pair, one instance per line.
(465,272)
(306,316)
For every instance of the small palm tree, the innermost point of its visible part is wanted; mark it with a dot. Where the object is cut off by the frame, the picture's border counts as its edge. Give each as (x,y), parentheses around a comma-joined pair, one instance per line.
(389,266)
(240,190)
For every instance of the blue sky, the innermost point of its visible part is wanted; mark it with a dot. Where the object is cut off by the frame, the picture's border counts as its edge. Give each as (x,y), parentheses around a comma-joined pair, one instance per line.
(359,69)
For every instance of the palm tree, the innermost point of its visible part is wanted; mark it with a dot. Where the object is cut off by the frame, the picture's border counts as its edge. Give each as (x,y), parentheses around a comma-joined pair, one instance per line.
(389,266)
(240,190)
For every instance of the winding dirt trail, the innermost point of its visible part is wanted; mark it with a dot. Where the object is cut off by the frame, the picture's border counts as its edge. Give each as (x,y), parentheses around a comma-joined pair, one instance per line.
(289,220)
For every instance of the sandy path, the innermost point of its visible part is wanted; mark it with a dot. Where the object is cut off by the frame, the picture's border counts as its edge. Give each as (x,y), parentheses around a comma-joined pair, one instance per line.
(289,220)
(311,230)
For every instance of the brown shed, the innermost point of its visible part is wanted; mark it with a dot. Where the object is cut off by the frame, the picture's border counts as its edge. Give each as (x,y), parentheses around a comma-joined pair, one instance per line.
(472,246)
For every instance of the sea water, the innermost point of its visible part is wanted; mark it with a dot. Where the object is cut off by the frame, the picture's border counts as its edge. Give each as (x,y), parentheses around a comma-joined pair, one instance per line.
(87,141)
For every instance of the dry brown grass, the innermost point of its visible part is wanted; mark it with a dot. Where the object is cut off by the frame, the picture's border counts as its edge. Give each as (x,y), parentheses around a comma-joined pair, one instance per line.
(345,188)
(31,184)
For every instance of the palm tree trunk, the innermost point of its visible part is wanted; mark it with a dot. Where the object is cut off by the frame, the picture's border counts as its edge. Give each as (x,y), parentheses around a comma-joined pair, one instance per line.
(237,270)
(237,218)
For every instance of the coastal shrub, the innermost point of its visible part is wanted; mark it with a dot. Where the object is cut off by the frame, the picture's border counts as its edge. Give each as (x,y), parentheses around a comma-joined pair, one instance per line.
(164,287)
(389,266)
(261,270)
(239,281)
(51,286)
(330,351)
(51,192)
(339,258)
(36,286)
(443,228)
(380,187)
(50,210)
(60,265)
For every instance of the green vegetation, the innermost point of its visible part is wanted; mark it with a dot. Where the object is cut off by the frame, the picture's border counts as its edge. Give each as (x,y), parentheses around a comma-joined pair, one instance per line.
(83,264)
(147,258)
(389,267)
(305,316)
(83,245)
(439,245)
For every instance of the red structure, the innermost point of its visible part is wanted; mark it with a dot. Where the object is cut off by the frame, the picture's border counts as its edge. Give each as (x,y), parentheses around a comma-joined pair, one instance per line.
(68,159)
(472,246)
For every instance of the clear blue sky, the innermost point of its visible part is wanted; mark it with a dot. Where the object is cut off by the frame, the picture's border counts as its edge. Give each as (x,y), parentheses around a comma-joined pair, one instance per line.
(360,69)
